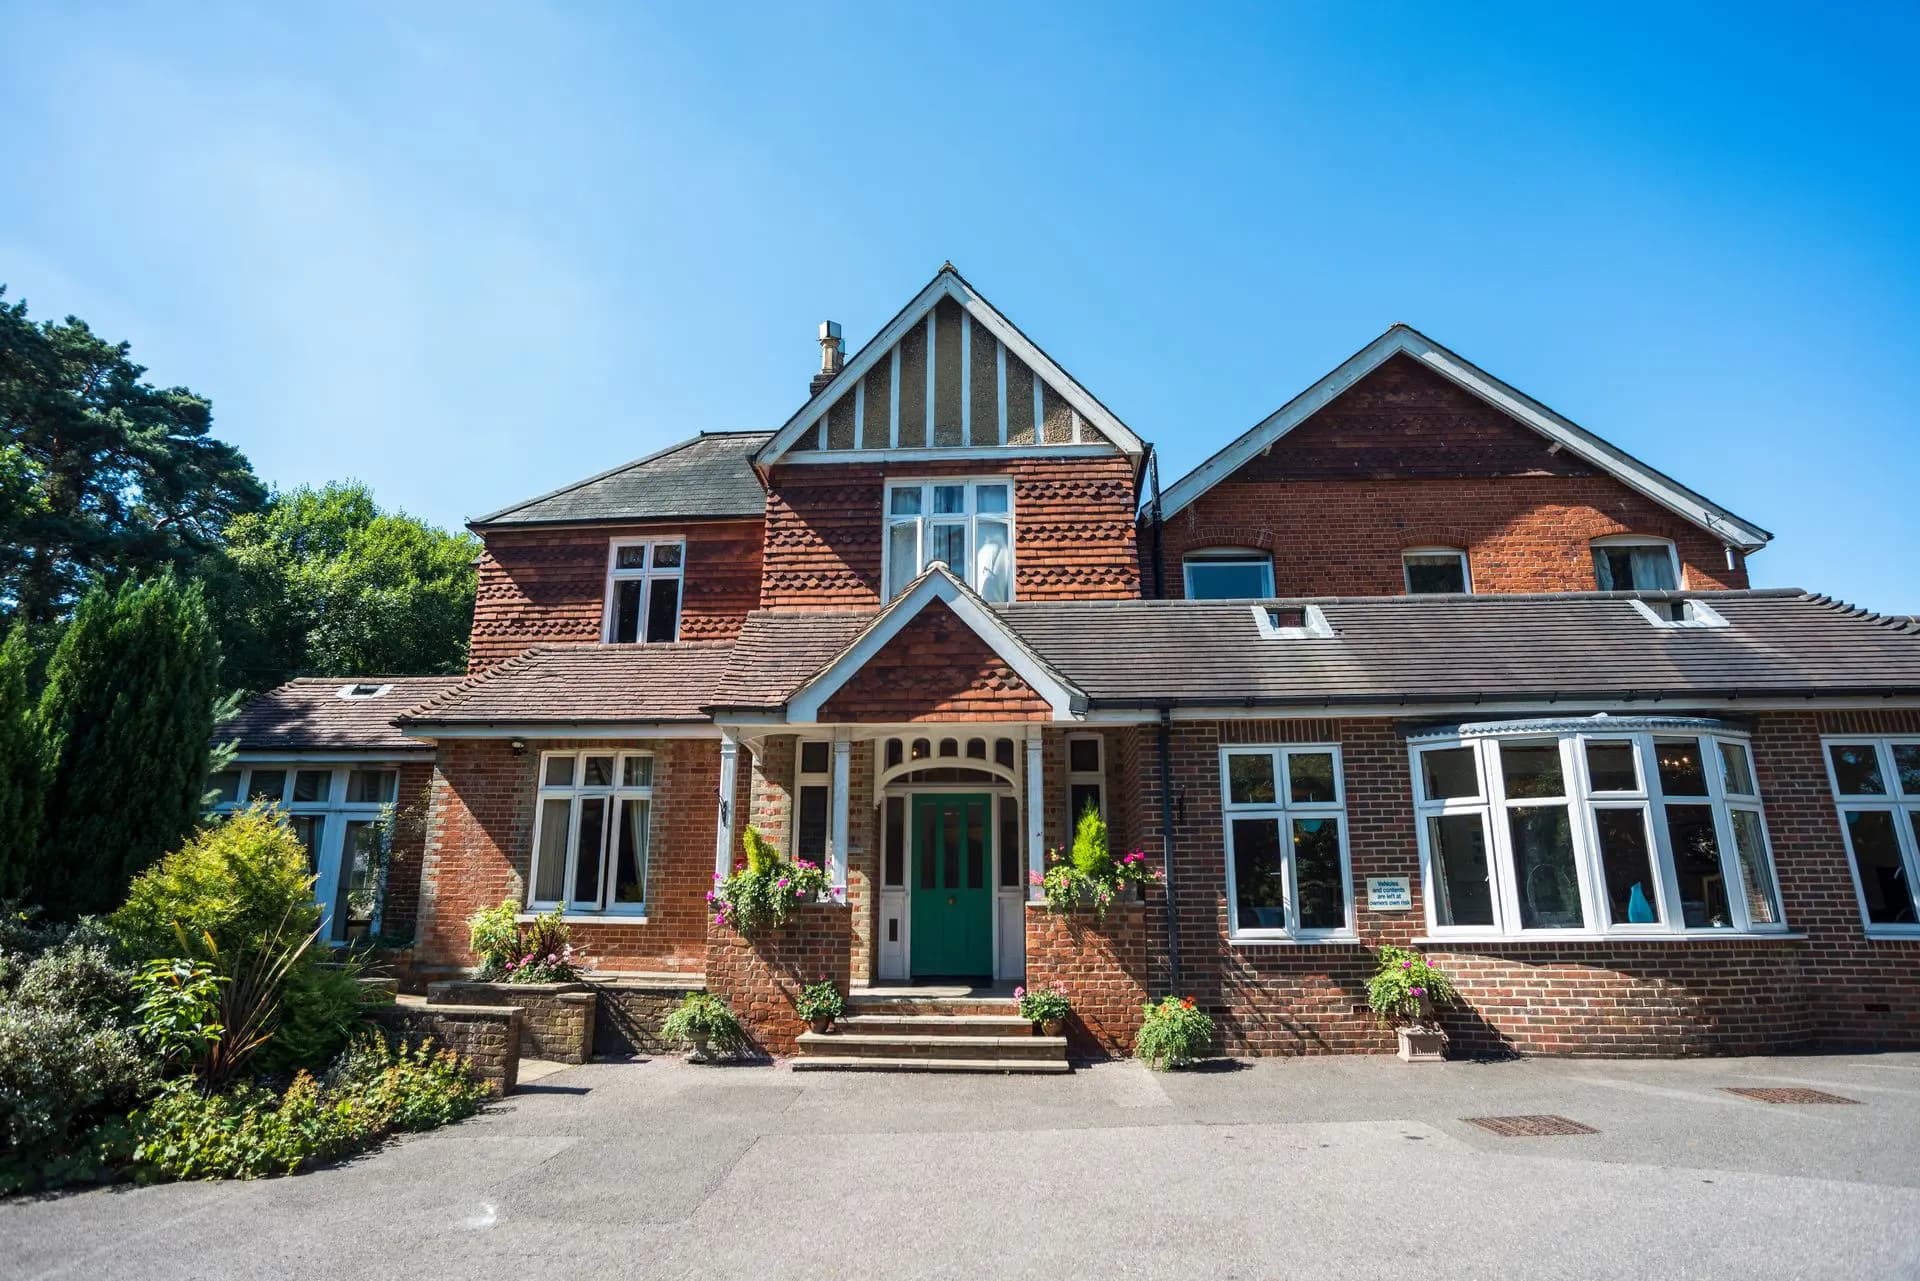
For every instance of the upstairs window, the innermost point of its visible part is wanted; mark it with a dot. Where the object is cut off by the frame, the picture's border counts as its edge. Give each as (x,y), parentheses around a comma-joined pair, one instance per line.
(966,523)
(1876,783)
(643,591)
(1630,564)
(1435,570)
(1229,575)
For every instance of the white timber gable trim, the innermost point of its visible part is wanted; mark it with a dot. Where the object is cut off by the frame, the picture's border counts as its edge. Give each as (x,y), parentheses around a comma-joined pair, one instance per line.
(1095,428)
(1564,433)
(1069,703)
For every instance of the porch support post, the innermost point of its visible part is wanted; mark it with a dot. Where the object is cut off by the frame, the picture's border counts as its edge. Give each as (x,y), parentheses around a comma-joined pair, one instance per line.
(1036,812)
(729,774)
(842,756)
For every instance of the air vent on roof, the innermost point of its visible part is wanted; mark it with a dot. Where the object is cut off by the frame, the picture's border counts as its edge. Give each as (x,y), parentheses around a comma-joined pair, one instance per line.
(1291,621)
(363,690)
(1671,613)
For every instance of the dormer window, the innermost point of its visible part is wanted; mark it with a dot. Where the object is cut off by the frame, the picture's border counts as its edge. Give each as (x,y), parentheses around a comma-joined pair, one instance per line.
(1435,570)
(968,524)
(1679,613)
(1628,563)
(643,591)
(1292,622)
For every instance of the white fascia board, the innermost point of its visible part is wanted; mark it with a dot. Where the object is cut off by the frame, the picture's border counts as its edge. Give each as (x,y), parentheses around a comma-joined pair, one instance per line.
(1487,708)
(1583,444)
(947,284)
(566,729)
(321,756)
(936,583)
(941,453)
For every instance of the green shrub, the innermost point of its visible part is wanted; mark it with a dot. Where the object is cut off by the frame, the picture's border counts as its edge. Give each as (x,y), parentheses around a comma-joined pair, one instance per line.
(1404,987)
(1042,1004)
(409,1089)
(178,1010)
(544,953)
(1176,1032)
(760,894)
(78,973)
(240,881)
(1090,876)
(320,1007)
(494,934)
(704,1017)
(62,1074)
(820,1000)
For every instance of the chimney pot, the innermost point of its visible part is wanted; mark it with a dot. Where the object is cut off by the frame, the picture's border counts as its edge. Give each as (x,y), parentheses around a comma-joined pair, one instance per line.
(832,356)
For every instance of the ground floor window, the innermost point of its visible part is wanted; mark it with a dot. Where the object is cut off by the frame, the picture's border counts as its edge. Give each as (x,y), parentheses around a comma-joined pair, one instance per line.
(1086,780)
(591,831)
(1533,828)
(1876,785)
(1286,842)
(813,800)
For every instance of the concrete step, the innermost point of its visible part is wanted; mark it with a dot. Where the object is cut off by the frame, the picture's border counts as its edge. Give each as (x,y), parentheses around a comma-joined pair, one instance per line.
(885,1024)
(984,1065)
(942,1046)
(942,1006)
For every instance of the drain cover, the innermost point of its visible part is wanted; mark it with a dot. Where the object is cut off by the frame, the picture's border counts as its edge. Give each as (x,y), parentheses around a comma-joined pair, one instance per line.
(1524,1127)
(1786,1094)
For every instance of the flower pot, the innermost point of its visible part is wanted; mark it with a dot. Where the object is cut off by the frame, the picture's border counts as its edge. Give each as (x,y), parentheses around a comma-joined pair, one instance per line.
(1052,1027)
(1422,1043)
(700,1041)
(822,1023)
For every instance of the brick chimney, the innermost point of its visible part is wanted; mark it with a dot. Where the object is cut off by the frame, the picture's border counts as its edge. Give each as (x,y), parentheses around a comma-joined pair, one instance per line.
(832,356)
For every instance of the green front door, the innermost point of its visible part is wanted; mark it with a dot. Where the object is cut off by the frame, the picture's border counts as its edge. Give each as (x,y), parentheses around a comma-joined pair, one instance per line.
(952,913)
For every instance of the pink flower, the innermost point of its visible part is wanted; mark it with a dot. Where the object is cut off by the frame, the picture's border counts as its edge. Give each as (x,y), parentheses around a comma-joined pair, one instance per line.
(1036,879)
(1019,992)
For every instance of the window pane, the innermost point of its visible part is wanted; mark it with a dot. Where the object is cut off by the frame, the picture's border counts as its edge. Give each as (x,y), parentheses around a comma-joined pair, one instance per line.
(1079,797)
(226,786)
(1436,572)
(1906,764)
(667,555)
(633,557)
(636,771)
(550,860)
(976,816)
(626,610)
(1310,778)
(949,500)
(372,786)
(990,498)
(311,785)
(1736,769)
(1259,888)
(925,847)
(1227,579)
(587,849)
(1756,874)
(1531,769)
(1083,755)
(266,784)
(1883,876)
(905,502)
(950,847)
(948,543)
(1250,778)
(663,610)
(996,562)
(559,772)
(895,870)
(1682,772)
(630,854)
(1696,861)
(1653,569)
(1543,868)
(810,825)
(1462,891)
(599,772)
(1626,859)
(814,757)
(359,856)
(903,556)
(1010,860)
(1856,769)
(1003,752)
(1610,768)
(308,829)
(1316,866)
(1448,773)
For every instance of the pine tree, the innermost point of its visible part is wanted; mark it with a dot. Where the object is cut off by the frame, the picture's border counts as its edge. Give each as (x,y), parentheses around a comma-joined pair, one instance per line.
(127,714)
(22,768)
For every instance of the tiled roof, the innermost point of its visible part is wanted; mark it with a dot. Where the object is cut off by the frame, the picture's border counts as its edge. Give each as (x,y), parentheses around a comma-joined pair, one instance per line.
(584,684)
(776,653)
(710,475)
(308,714)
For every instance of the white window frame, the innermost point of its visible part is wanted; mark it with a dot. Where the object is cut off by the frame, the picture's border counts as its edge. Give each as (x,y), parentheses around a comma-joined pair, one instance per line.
(1406,570)
(1639,540)
(1895,801)
(335,813)
(970,519)
(647,575)
(1096,778)
(617,796)
(803,779)
(1284,810)
(1648,798)
(1228,556)
(1314,624)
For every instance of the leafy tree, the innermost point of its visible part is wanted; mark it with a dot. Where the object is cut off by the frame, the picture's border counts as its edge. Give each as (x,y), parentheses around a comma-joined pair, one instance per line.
(127,713)
(22,769)
(103,476)
(322,582)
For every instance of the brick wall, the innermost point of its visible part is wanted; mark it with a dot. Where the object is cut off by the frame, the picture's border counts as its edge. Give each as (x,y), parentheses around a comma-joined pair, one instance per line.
(400,907)
(1108,969)
(936,669)
(628,1021)
(1073,529)
(487,1037)
(760,978)
(556,1019)
(1406,459)
(546,585)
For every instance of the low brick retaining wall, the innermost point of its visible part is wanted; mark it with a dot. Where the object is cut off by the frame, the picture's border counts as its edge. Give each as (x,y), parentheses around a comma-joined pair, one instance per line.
(557,1019)
(760,978)
(487,1036)
(1101,965)
(631,1011)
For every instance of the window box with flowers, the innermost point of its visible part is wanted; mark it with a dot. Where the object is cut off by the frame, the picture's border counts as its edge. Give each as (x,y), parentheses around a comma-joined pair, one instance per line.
(761,892)
(1403,993)
(1091,876)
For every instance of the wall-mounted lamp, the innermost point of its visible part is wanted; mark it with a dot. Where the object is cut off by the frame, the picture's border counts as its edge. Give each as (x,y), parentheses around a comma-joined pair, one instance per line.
(519,746)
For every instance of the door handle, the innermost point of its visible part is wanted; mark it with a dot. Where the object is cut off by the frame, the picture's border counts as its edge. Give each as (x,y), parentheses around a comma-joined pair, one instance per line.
(950,900)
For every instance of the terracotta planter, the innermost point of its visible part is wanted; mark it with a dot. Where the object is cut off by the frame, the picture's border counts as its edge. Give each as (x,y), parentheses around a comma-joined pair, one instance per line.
(1052,1027)
(822,1023)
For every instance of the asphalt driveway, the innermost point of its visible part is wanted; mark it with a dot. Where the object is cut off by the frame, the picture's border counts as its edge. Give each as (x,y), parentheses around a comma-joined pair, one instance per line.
(1333,1167)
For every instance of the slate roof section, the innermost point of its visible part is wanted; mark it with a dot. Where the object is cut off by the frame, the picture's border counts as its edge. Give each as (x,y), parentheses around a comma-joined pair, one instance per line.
(709,476)
(308,715)
(583,685)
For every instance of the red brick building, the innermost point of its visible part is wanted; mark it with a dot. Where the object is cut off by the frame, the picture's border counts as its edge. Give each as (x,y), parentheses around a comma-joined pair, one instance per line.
(1414,660)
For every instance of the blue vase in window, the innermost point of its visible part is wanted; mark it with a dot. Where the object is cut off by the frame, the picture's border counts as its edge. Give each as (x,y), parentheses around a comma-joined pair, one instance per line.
(1639,911)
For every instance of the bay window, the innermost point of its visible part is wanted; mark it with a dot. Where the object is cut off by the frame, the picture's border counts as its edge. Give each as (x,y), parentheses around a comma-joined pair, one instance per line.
(643,591)
(591,831)
(1285,817)
(966,523)
(1876,785)
(1614,827)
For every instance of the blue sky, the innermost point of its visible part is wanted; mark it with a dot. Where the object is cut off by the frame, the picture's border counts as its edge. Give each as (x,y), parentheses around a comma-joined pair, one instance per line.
(470,252)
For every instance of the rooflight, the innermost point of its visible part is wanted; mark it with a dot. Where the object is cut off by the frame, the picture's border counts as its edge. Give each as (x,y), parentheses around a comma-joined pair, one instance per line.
(1671,614)
(363,690)
(1289,622)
